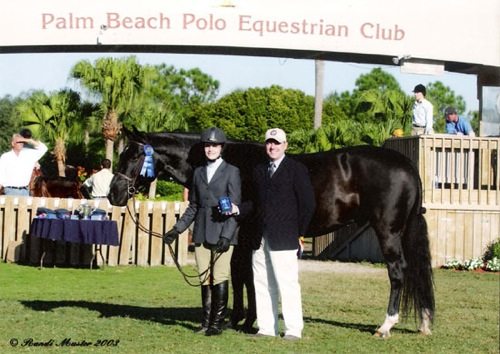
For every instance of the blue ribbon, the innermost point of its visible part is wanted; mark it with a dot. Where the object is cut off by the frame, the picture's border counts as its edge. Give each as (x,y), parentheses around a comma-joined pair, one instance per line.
(148,166)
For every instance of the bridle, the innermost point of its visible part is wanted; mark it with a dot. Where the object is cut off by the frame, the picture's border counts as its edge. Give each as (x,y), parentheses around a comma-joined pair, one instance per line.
(131,191)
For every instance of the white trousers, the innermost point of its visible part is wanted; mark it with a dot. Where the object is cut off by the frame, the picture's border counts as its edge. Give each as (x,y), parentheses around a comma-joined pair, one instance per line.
(276,274)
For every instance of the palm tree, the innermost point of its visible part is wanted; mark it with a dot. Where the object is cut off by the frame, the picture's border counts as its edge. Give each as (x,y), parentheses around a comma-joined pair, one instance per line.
(156,107)
(390,109)
(56,117)
(115,83)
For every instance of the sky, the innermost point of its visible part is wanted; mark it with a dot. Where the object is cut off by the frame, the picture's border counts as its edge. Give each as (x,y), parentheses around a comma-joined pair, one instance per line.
(50,71)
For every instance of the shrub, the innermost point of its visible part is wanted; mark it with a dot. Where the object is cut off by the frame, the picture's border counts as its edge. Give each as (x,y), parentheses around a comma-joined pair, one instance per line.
(493,251)
(166,191)
(169,190)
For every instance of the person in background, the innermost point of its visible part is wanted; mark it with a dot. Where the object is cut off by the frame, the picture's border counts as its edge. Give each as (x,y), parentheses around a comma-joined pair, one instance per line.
(214,232)
(456,124)
(37,170)
(99,182)
(285,205)
(423,113)
(16,165)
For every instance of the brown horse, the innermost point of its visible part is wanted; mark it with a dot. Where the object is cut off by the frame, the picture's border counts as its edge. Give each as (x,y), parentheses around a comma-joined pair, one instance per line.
(55,187)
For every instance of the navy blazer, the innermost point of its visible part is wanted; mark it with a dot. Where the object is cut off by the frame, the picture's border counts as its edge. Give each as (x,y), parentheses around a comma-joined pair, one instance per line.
(285,203)
(209,224)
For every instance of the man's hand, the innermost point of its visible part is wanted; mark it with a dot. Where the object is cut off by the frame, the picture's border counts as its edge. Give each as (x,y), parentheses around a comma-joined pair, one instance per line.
(170,236)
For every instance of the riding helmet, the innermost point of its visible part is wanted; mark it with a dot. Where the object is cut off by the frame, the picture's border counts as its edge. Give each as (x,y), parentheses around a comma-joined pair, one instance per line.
(213,135)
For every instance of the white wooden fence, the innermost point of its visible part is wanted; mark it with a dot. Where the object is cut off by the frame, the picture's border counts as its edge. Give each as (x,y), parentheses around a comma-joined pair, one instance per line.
(136,246)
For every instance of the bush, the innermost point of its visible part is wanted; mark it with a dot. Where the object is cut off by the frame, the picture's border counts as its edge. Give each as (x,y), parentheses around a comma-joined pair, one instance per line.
(166,190)
(493,251)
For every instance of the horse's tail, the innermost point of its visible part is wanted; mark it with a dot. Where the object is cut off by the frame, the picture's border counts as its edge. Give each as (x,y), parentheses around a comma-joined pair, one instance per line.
(418,286)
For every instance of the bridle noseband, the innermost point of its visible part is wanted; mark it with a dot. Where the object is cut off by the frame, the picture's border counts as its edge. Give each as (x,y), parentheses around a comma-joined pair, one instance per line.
(144,167)
(130,183)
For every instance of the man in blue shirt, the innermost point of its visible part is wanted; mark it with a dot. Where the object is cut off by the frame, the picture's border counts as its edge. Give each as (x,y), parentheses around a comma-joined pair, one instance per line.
(457,125)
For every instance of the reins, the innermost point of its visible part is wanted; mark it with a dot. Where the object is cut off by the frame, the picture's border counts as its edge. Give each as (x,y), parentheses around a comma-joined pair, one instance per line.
(203,276)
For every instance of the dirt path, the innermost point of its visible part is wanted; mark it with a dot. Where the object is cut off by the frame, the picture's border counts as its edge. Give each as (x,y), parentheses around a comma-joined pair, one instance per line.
(306,265)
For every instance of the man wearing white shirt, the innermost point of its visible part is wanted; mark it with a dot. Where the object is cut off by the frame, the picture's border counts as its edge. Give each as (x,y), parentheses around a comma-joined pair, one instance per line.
(17,165)
(100,181)
(423,115)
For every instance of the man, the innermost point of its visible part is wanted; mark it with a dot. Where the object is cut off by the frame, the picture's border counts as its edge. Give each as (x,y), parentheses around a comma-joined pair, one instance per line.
(285,205)
(16,165)
(457,125)
(423,116)
(99,182)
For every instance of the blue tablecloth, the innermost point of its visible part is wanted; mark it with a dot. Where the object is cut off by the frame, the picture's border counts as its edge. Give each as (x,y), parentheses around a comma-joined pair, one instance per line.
(97,232)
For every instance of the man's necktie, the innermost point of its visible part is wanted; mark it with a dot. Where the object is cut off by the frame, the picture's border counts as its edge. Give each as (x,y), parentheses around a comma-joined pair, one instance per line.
(272,168)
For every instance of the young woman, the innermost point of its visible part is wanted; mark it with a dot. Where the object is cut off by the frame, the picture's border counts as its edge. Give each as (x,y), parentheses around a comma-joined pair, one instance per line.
(214,230)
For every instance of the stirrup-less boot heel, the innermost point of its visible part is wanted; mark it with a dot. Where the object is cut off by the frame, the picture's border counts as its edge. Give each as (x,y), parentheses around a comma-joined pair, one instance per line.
(218,311)
(206,302)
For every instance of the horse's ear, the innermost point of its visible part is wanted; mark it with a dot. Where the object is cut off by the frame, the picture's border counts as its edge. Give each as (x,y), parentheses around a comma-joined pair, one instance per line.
(133,134)
(126,132)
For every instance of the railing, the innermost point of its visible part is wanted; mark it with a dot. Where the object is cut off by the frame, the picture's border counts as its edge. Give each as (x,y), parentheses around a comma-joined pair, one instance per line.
(138,245)
(456,171)
(461,192)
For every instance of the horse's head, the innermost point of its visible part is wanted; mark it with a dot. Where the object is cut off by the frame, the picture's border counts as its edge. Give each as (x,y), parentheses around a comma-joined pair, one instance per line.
(148,156)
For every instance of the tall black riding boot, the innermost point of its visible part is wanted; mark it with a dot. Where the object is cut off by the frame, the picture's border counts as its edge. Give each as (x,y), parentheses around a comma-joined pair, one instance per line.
(206,302)
(218,311)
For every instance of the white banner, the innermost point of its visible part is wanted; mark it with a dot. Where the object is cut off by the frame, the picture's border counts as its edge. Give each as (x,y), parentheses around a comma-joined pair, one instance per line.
(463,31)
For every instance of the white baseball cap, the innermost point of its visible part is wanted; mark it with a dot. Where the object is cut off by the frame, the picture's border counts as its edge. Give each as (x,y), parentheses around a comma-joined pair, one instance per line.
(276,134)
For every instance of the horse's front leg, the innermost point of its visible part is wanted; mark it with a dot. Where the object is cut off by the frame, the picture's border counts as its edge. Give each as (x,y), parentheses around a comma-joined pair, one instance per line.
(251,315)
(237,281)
(396,275)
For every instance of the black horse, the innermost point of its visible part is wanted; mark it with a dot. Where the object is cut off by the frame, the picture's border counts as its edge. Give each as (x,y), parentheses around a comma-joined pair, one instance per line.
(364,184)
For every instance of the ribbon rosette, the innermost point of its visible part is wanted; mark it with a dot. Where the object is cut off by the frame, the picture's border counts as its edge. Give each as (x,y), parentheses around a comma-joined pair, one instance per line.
(148,166)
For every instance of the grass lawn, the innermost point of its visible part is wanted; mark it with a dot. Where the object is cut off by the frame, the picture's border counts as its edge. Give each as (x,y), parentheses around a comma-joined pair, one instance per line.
(152,310)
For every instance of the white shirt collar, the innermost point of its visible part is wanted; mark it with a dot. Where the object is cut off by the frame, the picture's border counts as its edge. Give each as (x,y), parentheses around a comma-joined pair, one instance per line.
(212,167)
(278,161)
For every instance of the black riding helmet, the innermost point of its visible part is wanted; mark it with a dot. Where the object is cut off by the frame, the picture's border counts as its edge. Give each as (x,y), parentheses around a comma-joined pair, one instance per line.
(213,135)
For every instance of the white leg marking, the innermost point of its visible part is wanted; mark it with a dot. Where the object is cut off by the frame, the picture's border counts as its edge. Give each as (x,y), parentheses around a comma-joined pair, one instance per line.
(384,331)
(425,326)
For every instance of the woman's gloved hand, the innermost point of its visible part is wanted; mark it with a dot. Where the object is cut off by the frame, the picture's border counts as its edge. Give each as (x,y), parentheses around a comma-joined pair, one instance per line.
(222,245)
(170,236)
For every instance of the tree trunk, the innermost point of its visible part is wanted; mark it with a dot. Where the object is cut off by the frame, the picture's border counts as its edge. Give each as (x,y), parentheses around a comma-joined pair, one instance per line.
(109,150)
(110,130)
(318,98)
(60,156)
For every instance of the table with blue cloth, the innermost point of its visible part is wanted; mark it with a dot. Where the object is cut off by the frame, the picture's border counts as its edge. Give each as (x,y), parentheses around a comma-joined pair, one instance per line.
(93,232)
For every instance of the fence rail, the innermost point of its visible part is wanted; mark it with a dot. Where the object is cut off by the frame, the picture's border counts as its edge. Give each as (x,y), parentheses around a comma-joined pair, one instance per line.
(138,245)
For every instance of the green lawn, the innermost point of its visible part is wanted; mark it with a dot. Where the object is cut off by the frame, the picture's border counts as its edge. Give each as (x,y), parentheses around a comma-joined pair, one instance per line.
(152,310)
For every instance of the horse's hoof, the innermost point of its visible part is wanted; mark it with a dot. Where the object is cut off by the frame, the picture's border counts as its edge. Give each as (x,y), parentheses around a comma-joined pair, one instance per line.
(249,330)
(425,332)
(383,335)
